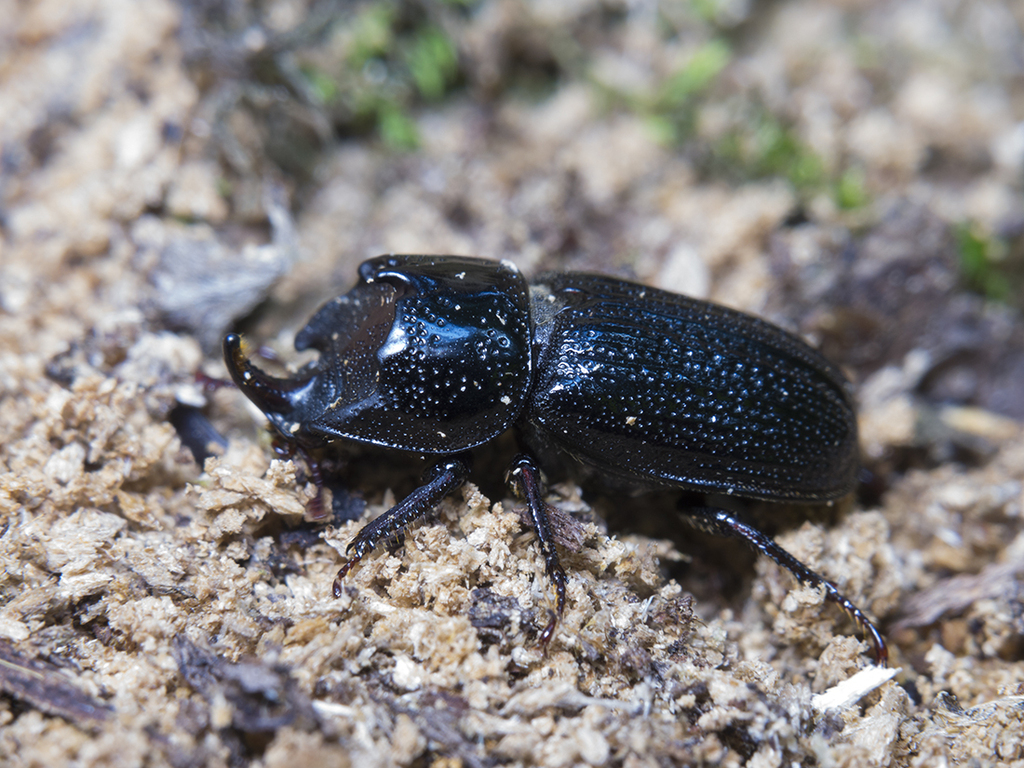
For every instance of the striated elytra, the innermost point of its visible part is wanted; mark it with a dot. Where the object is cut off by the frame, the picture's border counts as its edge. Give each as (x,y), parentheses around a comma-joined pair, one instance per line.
(439,354)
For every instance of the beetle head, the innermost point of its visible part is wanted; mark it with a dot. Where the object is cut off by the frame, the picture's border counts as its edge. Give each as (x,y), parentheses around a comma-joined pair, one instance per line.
(427,354)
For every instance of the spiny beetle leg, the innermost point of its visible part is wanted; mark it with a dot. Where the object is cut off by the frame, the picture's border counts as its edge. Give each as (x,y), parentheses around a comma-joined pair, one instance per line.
(395,543)
(524,476)
(719,522)
(440,480)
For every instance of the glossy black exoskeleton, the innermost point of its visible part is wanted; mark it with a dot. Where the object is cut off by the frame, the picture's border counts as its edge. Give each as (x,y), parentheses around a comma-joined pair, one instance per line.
(440,354)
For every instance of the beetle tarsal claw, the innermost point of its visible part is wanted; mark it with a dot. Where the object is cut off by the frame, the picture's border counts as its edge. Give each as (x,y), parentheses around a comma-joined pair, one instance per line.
(338,580)
(544,638)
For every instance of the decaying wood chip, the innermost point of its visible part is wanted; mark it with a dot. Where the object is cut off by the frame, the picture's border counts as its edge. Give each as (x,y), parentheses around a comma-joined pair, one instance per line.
(954,595)
(46,687)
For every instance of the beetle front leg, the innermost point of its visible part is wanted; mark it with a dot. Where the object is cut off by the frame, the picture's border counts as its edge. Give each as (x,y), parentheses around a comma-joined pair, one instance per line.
(719,522)
(440,480)
(524,475)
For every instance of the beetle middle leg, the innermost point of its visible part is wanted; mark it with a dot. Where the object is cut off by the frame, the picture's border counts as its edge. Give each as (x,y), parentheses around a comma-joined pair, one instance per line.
(719,522)
(440,480)
(525,478)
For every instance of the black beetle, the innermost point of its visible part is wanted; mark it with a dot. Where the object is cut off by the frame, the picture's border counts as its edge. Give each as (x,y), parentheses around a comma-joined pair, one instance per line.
(440,354)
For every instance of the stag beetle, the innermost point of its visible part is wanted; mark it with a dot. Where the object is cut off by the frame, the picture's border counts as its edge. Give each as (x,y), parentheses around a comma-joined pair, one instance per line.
(440,354)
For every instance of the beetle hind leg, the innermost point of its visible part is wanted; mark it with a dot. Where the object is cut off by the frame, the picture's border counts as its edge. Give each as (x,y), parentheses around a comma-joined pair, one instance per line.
(719,522)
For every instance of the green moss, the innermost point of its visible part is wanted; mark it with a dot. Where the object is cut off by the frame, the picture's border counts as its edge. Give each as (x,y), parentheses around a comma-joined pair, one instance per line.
(777,151)
(372,36)
(763,146)
(757,144)
(851,191)
(394,58)
(696,76)
(432,61)
(670,109)
(397,129)
(705,9)
(662,129)
(224,187)
(324,87)
(983,263)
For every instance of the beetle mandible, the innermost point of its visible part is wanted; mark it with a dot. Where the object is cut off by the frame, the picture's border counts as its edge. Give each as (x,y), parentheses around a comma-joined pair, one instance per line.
(440,354)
